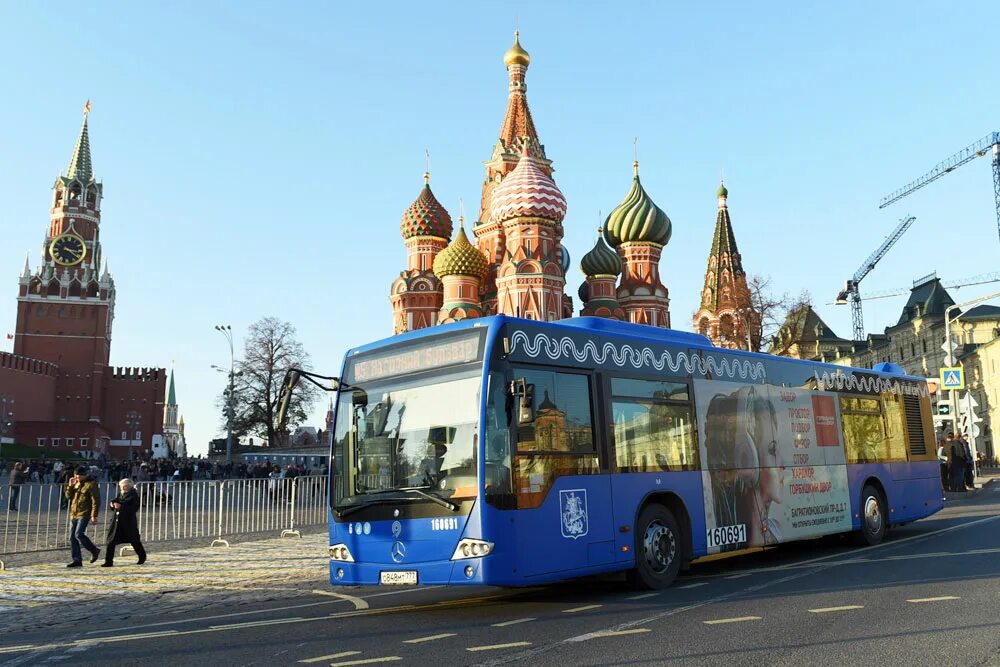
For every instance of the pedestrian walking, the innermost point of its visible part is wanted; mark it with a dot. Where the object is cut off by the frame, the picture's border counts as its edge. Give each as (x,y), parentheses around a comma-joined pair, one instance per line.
(969,473)
(84,503)
(124,526)
(956,455)
(16,480)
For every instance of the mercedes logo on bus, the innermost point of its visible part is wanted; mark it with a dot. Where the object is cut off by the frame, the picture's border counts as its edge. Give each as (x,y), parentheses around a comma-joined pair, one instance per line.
(398,552)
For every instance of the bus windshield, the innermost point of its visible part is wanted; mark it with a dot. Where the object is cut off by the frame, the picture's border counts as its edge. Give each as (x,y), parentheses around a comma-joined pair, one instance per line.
(412,434)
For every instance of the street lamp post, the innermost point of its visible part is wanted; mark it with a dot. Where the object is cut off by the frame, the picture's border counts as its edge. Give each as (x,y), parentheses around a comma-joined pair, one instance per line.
(132,421)
(227,331)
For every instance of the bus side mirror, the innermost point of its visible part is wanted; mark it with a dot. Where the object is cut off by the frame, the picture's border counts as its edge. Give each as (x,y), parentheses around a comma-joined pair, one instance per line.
(525,394)
(292,377)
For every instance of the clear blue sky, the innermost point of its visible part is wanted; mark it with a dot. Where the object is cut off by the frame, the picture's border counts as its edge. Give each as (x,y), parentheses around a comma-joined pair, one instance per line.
(257,157)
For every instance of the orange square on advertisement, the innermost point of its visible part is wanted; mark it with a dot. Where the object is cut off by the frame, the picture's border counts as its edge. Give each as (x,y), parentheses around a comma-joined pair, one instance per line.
(825,418)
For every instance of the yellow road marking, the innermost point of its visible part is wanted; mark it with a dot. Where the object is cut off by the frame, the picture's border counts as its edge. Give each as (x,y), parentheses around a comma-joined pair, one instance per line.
(620,633)
(847,607)
(737,619)
(497,647)
(333,656)
(367,661)
(643,596)
(587,607)
(937,599)
(431,638)
(514,622)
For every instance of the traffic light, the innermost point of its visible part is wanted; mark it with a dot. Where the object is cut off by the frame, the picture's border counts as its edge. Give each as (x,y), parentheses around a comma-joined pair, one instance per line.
(944,409)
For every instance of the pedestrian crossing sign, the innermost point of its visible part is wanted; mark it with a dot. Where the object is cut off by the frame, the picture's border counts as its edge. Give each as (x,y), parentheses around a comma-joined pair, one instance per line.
(953,377)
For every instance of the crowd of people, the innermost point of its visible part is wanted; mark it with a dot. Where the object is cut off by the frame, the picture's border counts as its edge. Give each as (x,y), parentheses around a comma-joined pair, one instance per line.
(958,466)
(54,471)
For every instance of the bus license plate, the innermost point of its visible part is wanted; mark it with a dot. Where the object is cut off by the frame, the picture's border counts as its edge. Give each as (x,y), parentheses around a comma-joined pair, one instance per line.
(398,578)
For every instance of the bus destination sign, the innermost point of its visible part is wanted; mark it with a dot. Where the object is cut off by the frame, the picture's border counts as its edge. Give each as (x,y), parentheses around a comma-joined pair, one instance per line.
(415,359)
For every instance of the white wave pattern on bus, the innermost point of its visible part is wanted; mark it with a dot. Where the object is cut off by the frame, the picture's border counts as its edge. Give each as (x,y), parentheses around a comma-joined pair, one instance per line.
(627,355)
(867,384)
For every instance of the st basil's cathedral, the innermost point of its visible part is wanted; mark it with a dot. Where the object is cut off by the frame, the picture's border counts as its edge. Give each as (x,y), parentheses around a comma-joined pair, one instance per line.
(517,264)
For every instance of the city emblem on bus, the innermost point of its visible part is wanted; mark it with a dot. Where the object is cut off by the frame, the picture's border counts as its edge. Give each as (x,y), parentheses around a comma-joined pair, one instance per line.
(397,528)
(573,513)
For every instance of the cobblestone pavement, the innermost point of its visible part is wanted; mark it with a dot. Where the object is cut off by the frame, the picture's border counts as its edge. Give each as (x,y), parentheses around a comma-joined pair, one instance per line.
(50,596)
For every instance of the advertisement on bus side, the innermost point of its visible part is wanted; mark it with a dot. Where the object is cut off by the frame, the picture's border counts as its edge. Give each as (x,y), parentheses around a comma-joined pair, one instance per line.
(773,464)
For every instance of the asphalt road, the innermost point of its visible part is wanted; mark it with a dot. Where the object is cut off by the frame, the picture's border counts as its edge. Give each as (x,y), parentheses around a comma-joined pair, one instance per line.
(929,595)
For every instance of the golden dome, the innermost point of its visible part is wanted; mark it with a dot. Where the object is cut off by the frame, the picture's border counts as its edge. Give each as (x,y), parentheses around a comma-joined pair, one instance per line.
(516,55)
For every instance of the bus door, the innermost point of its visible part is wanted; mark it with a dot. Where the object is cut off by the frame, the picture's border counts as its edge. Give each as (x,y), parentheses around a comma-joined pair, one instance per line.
(564,516)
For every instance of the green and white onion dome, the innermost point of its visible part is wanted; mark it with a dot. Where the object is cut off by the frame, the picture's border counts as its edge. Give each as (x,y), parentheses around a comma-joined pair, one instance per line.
(637,219)
(601,260)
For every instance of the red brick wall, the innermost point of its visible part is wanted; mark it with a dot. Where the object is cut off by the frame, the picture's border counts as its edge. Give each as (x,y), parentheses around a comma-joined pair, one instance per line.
(31,383)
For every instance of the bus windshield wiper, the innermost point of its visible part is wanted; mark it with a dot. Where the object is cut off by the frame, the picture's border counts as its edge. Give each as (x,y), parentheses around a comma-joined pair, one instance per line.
(419,491)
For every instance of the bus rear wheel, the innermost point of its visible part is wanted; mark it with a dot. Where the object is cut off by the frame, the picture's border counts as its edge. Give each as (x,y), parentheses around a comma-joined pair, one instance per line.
(657,549)
(873,516)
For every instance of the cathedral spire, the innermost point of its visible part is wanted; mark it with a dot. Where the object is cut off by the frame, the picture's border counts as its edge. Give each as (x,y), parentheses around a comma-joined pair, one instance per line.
(80,166)
(171,394)
(517,122)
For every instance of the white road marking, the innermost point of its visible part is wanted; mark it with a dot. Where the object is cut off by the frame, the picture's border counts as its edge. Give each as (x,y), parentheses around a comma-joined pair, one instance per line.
(324,658)
(826,610)
(937,599)
(609,633)
(367,661)
(431,638)
(739,576)
(643,596)
(497,647)
(514,622)
(357,602)
(736,619)
(586,607)
(701,583)
(253,624)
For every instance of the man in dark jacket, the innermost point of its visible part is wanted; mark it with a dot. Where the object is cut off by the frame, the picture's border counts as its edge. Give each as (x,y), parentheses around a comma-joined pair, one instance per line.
(16,480)
(84,503)
(124,526)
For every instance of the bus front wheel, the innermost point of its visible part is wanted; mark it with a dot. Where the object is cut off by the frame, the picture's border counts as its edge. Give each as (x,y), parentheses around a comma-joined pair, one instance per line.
(657,548)
(873,516)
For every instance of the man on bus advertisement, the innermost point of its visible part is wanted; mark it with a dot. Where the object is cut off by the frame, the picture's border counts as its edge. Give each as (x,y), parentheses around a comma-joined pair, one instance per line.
(773,464)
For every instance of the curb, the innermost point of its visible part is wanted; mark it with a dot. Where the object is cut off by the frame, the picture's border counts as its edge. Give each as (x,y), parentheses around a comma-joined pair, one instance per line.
(959,495)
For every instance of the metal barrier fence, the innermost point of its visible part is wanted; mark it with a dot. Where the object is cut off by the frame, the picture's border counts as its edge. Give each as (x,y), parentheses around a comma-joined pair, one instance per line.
(36,516)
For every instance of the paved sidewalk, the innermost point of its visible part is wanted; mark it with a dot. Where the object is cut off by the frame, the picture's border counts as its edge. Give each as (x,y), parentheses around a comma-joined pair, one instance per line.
(47,595)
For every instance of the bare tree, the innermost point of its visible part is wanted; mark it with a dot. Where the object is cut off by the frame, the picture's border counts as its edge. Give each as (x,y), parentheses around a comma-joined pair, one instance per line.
(271,348)
(766,311)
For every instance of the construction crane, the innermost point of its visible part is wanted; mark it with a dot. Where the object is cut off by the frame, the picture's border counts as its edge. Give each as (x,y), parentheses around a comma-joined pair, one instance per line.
(981,279)
(988,144)
(850,290)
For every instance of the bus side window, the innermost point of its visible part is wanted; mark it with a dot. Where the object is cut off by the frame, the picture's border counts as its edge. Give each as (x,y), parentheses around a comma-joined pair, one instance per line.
(652,426)
(560,439)
(864,430)
(499,483)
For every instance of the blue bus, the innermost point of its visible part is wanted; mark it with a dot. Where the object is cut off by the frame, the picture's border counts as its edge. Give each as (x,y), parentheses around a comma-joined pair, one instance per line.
(513,452)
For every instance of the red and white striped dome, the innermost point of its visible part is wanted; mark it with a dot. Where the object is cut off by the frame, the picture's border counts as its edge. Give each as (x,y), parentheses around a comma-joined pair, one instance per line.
(527,192)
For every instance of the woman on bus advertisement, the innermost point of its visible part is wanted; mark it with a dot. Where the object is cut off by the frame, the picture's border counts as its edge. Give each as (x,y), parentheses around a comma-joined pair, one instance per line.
(774,464)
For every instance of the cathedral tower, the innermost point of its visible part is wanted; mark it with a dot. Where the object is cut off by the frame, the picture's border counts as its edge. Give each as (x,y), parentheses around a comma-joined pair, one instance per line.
(416,295)
(65,307)
(462,269)
(530,208)
(639,230)
(517,134)
(726,315)
(598,294)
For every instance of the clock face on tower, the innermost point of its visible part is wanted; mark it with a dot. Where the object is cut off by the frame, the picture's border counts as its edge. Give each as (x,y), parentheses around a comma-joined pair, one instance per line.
(67,249)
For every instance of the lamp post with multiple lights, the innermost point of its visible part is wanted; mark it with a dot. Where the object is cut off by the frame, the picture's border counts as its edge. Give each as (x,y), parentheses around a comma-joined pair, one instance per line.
(227,331)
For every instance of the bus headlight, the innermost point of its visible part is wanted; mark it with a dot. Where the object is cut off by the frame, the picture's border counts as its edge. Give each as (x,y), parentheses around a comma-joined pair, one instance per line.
(341,553)
(468,548)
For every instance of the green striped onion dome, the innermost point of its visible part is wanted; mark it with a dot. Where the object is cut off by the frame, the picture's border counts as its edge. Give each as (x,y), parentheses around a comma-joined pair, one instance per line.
(584,292)
(601,260)
(722,191)
(461,258)
(637,219)
(426,216)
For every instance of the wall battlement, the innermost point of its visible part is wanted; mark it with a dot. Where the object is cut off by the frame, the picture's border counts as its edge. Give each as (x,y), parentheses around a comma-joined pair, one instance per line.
(17,362)
(136,374)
